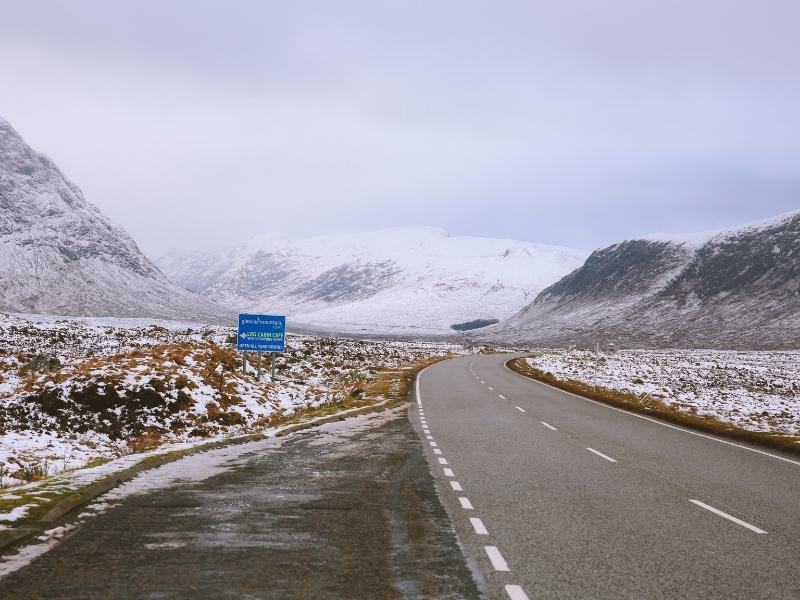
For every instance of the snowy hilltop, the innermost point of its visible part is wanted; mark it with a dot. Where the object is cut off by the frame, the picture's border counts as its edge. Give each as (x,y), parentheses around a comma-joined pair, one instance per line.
(397,280)
(60,255)
(729,289)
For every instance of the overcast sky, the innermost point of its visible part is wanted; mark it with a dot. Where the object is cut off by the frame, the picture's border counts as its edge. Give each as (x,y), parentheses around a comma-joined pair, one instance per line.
(575,123)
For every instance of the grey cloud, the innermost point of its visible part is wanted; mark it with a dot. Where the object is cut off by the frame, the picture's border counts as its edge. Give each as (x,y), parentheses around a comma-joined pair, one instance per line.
(567,122)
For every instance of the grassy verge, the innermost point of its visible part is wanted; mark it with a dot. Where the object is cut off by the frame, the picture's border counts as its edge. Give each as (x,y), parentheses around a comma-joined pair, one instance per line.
(389,387)
(53,499)
(654,408)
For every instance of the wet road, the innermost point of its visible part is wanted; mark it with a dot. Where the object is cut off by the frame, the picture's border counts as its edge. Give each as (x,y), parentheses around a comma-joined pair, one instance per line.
(345,511)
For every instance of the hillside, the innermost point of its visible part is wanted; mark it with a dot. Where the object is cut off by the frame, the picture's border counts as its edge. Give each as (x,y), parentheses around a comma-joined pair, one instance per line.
(60,255)
(730,289)
(397,280)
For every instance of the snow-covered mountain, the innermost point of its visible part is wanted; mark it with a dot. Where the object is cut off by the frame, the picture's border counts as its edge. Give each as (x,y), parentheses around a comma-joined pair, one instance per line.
(60,255)
(395,280)
(731,289)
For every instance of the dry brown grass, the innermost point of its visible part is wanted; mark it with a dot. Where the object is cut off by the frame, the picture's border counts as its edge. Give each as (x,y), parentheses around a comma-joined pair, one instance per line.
(655,408)
(149,440)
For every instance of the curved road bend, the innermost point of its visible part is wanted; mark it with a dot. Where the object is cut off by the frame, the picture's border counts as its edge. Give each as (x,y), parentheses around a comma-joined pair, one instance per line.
(555,496)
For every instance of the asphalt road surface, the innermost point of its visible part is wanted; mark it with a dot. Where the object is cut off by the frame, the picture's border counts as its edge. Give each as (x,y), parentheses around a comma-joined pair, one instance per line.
(556,496)
(345,511)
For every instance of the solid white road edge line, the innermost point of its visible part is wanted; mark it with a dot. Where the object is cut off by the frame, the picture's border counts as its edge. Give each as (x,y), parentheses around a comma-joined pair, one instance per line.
(465,503)
(515,592)
(657,422)
(456,486)
(601,455)
(498,562)
(520,409)
(478,526)
(725,515)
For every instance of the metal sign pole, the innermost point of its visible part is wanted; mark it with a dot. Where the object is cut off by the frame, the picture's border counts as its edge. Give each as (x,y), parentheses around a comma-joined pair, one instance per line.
(259,365)
(272,360)
(244,363)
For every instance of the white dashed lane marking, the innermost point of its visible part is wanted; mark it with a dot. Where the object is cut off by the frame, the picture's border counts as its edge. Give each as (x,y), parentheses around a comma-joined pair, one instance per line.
(725,515)
(515,592)
(478,526)
(601,455)
(497,560)
(548,426)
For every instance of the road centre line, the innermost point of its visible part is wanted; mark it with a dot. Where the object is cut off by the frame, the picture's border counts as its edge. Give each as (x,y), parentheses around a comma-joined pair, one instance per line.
(456,486)
(520,409)
(465,503)
(548,425)
(497,560)
(601,455)
(657,422)
(725,515)
(478,526)
(515,592)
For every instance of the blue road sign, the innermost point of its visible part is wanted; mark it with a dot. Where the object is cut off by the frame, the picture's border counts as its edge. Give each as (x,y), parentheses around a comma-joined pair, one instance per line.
(261,333)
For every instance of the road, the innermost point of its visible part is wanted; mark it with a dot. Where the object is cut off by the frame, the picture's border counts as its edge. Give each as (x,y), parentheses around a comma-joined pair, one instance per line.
(556,496)
(347,510)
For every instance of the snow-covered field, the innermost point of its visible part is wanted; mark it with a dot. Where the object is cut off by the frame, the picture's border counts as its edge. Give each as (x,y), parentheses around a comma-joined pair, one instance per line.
(758,391)
(74,393)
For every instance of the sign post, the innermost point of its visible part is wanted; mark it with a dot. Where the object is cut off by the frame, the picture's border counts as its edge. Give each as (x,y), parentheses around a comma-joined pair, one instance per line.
(261,333)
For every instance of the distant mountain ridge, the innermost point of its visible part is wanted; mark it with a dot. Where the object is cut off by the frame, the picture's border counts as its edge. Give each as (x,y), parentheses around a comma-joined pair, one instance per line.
(395,280)
(60,255)
(731,289)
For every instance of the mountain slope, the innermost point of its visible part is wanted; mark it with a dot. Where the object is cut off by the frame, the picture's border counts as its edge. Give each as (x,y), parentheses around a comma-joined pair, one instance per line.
(60,255)
(395,280)
(732,289)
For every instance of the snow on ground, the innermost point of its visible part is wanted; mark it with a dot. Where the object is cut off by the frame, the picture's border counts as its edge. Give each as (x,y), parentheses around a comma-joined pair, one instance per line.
(758,391)
(73,392)
(193,468)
